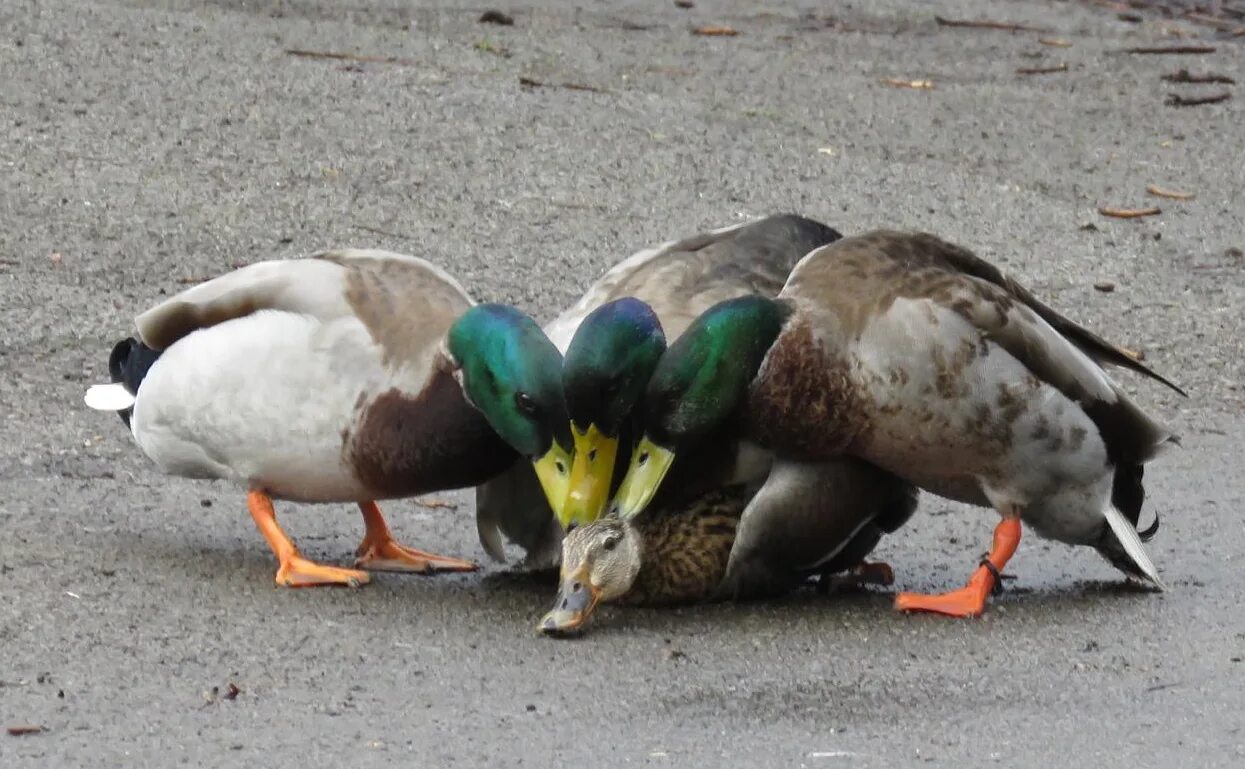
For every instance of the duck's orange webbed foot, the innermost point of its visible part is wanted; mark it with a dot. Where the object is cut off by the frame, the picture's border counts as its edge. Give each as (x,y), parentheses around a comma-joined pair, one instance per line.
(299,572)
(970,600)
(379,551)
(296,571)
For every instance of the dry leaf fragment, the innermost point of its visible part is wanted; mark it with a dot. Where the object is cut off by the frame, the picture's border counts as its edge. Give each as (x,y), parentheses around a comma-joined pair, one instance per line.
(826,151)
(1168,49)
(1176,100)
(1184,76)
(1105,286)
(1060,67)
(1129,213)
(1055,42)
(305,54)
(25,729)
(1159,192)
(715,31)
(901,83)
(55,257)
(232,692)
(985,24)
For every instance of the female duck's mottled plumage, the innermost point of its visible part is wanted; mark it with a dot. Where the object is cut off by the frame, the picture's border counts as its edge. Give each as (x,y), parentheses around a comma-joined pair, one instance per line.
(731,542)
(922,359)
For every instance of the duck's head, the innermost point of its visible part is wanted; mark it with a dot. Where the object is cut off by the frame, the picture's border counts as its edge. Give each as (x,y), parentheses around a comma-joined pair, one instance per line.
(600,562)
(698,384)
(608,363)
(512,373)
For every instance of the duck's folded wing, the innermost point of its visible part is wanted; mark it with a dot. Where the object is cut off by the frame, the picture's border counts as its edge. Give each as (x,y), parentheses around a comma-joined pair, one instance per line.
(327,285)
(805,515)
(1091,344)
(511,507)
(1129,434)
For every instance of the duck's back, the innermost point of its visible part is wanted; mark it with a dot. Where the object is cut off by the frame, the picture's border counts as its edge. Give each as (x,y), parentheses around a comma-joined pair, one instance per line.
(268,375)
(683,278)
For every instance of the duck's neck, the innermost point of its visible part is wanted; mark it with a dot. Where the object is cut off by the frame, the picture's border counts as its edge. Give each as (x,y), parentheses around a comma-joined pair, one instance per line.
(414,444)
(685,549)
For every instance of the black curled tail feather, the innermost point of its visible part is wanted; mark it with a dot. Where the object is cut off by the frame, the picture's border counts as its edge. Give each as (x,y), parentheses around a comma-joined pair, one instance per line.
(128,365)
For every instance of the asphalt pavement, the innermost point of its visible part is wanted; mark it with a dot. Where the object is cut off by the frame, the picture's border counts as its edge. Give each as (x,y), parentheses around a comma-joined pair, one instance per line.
(147,145)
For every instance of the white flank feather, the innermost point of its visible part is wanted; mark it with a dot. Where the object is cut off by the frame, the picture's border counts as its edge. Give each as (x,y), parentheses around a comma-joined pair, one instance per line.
(1127,535)
(109,397)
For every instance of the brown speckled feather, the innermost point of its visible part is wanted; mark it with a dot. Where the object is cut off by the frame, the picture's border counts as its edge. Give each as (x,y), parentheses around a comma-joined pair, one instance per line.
(686,549)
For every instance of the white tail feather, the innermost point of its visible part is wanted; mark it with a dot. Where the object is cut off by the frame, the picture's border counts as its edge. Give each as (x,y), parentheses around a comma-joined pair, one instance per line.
(1127,535)
(109,397)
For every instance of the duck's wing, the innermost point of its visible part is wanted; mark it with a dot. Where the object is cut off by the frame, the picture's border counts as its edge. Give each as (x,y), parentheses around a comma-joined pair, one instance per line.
(378,287)
(808,513)
(860,280)
(683,278)
(964,261)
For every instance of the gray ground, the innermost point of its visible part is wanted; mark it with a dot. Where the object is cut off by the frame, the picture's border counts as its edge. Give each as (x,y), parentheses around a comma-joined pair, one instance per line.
(149,143)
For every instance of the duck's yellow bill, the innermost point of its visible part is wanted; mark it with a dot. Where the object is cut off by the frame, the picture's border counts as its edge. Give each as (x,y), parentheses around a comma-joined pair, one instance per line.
(649,464)
(554,472)
(591,474)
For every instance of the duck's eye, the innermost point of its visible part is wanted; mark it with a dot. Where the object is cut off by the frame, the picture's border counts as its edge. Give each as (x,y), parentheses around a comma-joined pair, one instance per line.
(525,403)
(610,543)
(643,460)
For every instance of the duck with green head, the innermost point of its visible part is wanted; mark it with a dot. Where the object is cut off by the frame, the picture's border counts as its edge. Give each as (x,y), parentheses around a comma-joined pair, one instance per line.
(614,353)
(918,357)
(349,376)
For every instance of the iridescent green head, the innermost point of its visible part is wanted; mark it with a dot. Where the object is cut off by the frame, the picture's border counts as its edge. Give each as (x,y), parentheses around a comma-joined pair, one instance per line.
(698,384)
(512,373)
(607,366)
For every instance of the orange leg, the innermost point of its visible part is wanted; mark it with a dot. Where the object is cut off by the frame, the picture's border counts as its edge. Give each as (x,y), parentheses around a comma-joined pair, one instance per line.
(295,570)
(379,552)
(970,600)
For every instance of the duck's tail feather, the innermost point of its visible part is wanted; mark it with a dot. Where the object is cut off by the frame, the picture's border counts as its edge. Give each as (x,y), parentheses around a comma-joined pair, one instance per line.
(128,366)
(1136,551)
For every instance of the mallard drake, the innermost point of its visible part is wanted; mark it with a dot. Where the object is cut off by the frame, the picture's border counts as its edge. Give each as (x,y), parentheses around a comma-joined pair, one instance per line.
(623,322)
(348,376)
(722,544)
(613,337)
(924,360)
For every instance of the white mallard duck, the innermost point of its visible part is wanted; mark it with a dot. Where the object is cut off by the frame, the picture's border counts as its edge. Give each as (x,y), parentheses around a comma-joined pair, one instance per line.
(348,376)
(924,360)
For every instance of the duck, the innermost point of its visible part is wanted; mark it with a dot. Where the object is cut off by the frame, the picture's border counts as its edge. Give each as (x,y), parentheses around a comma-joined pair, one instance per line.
(611,338)
(924,360)
(790,526)
(348,376)
(706,546)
